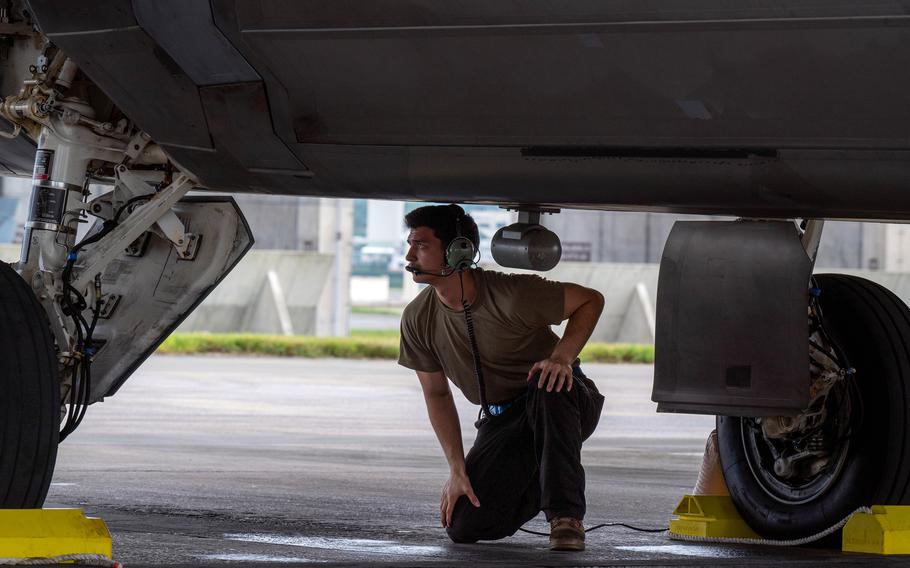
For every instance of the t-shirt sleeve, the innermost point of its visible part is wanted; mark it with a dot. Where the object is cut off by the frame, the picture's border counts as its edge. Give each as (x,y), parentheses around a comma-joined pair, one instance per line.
(413,351)
(538,302)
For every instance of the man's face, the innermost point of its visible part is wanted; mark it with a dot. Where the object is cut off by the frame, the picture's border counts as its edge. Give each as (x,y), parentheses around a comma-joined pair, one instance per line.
(425,253)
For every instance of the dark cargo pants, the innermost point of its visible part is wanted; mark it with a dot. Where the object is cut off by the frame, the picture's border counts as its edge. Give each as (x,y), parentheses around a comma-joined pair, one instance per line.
(528,459)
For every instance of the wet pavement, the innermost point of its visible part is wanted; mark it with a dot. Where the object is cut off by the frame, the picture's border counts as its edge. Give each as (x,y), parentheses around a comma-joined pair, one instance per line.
(214,461)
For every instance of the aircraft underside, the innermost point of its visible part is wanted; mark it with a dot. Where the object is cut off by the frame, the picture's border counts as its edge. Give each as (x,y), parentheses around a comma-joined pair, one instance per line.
(785,110)
(782,115)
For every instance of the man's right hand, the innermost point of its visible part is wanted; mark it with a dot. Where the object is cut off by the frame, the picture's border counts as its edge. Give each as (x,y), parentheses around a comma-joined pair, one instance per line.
(457,485)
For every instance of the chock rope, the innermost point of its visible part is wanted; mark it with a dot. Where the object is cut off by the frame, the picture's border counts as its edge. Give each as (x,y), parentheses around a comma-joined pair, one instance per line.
(771,542)
(79,559)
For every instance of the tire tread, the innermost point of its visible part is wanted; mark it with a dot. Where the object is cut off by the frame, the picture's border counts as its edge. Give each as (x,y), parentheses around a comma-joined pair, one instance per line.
(30,403)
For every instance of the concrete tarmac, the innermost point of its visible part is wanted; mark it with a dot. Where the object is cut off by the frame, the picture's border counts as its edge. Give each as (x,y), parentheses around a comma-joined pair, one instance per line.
(211,461)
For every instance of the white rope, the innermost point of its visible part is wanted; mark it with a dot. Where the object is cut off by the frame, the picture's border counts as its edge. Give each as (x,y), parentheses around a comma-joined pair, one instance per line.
(79,559)
(771,542)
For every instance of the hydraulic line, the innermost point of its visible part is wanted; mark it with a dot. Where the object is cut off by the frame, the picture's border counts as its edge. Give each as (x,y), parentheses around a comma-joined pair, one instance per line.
(74,305)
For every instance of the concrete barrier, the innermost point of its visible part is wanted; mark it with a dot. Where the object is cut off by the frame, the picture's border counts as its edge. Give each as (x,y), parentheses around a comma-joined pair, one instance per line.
(279,292)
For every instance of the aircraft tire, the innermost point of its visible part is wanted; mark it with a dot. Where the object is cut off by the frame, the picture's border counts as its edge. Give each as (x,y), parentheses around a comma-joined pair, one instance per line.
(29,396)
(872,326)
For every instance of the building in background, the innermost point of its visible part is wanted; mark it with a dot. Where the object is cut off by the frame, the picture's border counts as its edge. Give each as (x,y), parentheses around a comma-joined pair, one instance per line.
(14,196)
(609,236)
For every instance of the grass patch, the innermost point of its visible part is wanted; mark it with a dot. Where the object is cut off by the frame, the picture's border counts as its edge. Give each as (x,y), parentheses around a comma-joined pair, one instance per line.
(363,344)
(617,353)
(375,333)
(376,310)
(280,346)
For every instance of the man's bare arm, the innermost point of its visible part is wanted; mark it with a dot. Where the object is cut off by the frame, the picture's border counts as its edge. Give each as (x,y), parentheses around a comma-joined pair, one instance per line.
(444,419)
(582,308)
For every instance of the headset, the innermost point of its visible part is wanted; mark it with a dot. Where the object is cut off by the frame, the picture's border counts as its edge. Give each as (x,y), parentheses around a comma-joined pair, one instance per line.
(460,252)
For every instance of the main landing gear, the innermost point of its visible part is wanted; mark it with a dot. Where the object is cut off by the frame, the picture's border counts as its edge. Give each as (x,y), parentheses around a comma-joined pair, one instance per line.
(795,476)
(813,413)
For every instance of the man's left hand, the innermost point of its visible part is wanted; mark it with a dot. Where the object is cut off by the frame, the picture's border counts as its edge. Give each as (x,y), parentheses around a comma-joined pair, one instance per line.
(555,374)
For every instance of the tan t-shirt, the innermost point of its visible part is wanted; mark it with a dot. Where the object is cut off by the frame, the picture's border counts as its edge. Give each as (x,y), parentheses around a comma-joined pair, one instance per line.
(512,315)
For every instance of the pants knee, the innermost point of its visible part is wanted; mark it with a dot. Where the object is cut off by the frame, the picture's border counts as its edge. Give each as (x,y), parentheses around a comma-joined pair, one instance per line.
(462,530)
(470,524)
(552,397)
(459,535)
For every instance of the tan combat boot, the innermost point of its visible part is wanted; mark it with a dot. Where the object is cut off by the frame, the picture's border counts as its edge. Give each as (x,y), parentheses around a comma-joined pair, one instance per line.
(567,534)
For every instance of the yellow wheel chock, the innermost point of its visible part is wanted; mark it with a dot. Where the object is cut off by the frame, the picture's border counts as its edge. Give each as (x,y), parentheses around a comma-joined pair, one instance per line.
(886,530)
(711,516)
(51,533)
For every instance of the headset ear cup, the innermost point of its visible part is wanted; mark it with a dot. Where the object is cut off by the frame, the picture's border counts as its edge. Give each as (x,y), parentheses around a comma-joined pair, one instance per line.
(460,253)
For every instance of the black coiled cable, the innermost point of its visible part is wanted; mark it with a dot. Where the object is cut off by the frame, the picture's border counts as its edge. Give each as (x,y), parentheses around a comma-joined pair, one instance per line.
(602,525)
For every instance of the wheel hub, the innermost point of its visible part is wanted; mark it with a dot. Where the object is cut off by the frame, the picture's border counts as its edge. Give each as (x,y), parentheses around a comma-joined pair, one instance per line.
(795,459)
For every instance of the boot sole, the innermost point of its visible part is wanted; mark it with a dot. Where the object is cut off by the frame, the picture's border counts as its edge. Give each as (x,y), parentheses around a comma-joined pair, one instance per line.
(568,547)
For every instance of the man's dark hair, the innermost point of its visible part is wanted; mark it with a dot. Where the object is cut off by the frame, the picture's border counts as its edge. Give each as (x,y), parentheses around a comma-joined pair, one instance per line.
(442,219)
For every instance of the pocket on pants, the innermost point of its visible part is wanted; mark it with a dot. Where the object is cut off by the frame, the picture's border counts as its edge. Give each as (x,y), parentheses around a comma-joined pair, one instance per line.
(591,405)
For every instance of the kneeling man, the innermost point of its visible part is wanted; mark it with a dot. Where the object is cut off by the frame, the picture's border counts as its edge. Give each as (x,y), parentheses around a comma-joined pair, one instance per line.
(539,406)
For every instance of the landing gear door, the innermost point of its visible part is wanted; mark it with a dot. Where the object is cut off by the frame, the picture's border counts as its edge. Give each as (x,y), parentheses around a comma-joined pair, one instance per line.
(149,289)
(732,325)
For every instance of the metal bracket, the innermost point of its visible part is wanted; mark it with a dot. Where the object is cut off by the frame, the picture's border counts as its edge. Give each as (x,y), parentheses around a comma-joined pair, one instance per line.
(137,144)
(101,207)
(140,221)
(530,214)
(168,225)
(171,227)
(108,305)
(131,183)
